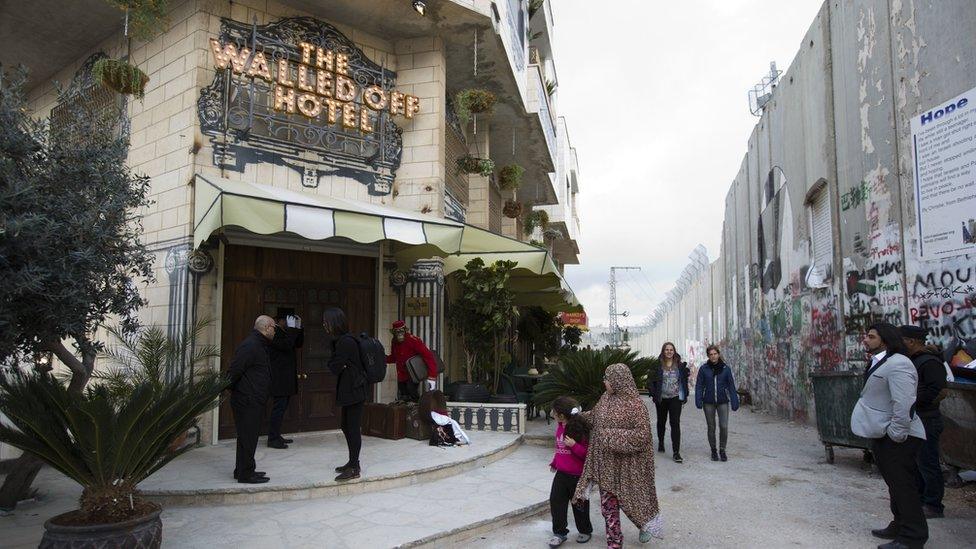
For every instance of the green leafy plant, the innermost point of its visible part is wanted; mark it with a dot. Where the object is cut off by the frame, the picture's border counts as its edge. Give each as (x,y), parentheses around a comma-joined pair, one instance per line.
(512,209)
(550,87)
(473,101)
(478,166)
(536,219)
(580,375)
(572,336)
(543,330)
(483,309)
(120,76)
(552,234)
(146,18)
(149,356)
(68,264)
(537,243)
(510,177)
(105,446)
(534,6)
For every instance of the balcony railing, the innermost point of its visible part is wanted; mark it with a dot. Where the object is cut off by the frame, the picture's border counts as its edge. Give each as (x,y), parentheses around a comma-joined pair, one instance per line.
(545,110)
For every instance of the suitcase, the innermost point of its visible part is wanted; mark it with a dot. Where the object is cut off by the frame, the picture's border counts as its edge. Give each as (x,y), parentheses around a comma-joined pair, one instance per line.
(384,420)
(416,428)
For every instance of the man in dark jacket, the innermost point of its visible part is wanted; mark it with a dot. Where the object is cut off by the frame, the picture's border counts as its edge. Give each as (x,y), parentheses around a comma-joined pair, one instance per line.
(250,383)
(931,381)
(288,336)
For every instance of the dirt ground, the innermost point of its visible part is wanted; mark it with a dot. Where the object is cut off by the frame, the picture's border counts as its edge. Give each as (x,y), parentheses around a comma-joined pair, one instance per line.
(775,491)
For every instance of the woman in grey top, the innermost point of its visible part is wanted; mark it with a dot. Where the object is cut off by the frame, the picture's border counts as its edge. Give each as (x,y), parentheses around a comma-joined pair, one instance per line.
(669,389)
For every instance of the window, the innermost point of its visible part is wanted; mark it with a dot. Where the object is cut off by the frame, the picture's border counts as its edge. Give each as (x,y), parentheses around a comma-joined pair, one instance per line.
(821,237)
(821,234)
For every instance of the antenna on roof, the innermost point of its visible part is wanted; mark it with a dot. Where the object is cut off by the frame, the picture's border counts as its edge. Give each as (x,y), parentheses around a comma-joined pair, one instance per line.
(761,93)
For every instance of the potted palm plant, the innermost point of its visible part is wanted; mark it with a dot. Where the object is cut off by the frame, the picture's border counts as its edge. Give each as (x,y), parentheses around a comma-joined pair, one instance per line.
(580,375)
(121,429)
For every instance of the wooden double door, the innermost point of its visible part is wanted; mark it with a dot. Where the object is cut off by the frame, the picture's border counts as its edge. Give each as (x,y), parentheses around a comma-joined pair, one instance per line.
(264,280)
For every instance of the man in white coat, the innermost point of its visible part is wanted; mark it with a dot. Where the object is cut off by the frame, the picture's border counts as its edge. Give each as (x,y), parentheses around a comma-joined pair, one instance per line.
(885,414)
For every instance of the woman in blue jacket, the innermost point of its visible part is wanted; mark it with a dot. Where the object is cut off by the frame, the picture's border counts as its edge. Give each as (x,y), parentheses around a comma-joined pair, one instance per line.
(714,391)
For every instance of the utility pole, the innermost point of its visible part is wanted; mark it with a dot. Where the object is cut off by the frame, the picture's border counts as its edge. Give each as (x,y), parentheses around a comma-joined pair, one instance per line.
(614,327)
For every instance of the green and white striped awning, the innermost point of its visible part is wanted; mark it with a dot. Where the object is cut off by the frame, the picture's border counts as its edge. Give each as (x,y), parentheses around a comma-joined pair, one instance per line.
(264,209)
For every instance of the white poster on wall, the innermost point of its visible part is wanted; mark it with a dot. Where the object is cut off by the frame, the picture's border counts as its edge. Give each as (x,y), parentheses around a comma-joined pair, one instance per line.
(944,150)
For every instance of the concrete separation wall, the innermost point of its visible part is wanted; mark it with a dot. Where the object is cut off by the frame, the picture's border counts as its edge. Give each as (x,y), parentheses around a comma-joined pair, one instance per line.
(819,238)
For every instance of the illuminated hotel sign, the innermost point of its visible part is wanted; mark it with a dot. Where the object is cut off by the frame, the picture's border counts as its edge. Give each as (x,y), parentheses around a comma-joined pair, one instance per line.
(318,86)
(298,93)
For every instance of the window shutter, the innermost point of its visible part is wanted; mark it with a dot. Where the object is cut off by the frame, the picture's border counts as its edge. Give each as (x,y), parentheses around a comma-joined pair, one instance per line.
(821,230)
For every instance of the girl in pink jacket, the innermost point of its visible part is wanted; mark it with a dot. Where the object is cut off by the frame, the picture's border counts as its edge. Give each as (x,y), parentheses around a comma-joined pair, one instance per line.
(572,436)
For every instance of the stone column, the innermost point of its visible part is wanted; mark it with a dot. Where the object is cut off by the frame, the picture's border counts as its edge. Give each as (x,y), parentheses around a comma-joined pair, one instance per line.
(423,288)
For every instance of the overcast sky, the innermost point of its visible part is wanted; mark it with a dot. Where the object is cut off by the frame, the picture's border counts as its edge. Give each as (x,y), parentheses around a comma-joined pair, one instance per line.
(654,175)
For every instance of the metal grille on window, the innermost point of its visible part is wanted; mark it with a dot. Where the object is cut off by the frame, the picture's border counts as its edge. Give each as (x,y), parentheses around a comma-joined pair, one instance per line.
(104,105)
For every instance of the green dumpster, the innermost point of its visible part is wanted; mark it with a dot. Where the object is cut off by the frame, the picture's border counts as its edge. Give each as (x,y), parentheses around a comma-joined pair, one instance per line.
(835,394)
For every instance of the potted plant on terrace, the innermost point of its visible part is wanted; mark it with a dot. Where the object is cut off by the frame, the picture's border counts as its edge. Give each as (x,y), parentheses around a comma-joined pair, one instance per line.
(483,309)
(120,76)
(106,446)
(473,165)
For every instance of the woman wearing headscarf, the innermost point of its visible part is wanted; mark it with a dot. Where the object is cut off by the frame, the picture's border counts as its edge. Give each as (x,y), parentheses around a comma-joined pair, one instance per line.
(620,460)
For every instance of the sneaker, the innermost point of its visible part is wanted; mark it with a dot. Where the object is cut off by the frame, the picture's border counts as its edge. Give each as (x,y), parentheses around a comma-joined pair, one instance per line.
(583,538)
(677,458)
(645,536)
(714,454)
(722,456)
(556,540)
(349,474)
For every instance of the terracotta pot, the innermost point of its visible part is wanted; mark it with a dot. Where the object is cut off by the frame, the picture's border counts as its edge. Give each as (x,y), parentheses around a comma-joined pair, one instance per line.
(143,532)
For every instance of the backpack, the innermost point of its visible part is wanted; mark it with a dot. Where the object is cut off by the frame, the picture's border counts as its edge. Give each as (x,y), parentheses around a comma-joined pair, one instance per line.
(373,357)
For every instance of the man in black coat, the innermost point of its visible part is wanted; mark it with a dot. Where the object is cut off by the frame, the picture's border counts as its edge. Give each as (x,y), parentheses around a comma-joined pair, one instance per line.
(250,383)
(288,336)
(931,381)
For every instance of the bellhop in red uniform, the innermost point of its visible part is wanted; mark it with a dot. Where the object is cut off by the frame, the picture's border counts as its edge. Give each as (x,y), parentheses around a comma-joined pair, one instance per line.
(406,346)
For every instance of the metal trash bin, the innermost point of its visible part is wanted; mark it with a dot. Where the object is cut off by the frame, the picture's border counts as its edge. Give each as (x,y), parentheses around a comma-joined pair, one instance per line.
(835,394)
(958,440)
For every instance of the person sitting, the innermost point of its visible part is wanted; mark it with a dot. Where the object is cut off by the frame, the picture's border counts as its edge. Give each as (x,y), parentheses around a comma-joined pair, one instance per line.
(404,347)
(444,431)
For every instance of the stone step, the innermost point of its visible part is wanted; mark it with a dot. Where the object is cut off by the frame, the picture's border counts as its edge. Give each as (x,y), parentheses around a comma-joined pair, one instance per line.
(306,469)
(425,514)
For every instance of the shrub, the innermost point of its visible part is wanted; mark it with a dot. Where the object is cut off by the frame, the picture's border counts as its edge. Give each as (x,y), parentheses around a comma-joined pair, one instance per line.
(510,177)
(580,375)
(472,165)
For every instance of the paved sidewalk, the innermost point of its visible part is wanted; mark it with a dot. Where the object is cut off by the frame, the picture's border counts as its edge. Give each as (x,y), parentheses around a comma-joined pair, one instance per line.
(776,491)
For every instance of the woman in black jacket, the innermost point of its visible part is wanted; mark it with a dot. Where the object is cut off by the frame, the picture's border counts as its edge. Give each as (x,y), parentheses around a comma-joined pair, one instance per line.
(351,385)
(669,389)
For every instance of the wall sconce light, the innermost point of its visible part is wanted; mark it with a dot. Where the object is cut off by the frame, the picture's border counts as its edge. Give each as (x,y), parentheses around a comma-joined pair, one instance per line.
(420,7)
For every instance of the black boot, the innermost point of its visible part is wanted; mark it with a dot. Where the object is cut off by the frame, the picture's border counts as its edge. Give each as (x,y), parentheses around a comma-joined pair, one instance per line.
(352,472)
(722,456)
(714,454)
(342,468)
(660,446)
(888,532)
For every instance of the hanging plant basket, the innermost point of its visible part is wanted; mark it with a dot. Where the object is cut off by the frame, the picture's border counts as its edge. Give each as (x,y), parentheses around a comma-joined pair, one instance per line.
(473,165)
(146,18)
(552,234)
(510,177)
(537,219)
(512,209)
(473,101)
(120,76)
